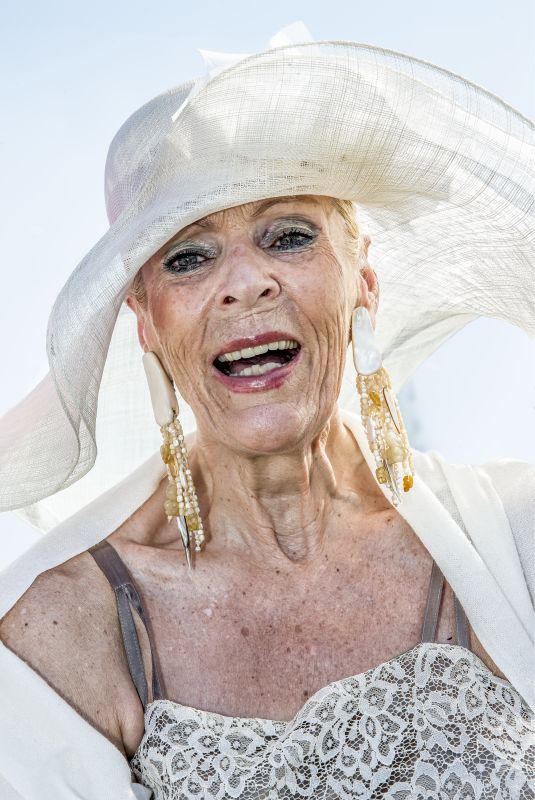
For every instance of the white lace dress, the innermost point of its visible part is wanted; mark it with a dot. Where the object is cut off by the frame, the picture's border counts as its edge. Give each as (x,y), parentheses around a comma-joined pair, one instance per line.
(431,724)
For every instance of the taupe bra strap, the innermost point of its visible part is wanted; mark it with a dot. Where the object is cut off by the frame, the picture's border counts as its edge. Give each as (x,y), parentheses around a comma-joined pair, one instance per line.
(127,598)
(432,608)
(461,625)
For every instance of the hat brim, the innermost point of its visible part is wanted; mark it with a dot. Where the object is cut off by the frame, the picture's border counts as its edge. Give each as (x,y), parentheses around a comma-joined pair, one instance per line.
(442,173)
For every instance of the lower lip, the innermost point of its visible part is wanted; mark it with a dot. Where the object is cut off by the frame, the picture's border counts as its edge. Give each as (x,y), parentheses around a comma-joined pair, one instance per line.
(258,383)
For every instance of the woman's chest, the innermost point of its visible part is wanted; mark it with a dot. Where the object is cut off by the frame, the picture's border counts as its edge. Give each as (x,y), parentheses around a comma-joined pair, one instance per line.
(262,644)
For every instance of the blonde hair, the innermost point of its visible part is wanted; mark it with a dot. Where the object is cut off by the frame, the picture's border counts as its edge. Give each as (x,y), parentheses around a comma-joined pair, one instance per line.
(137,290)
(346,209)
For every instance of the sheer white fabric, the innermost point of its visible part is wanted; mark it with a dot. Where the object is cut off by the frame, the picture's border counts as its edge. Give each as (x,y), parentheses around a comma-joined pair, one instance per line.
(442,173)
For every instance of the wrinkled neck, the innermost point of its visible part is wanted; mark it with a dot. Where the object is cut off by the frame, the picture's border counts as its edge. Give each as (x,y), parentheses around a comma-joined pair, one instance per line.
(275,507)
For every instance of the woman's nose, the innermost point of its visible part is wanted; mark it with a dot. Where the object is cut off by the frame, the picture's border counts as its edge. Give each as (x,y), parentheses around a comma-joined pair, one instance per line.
(247,281)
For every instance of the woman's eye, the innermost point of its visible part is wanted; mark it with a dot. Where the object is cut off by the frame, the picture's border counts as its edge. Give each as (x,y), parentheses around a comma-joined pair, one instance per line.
(292,239)
(186,261)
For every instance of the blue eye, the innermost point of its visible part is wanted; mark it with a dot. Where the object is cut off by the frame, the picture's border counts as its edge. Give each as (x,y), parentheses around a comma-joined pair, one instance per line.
(292,239)
(185,261)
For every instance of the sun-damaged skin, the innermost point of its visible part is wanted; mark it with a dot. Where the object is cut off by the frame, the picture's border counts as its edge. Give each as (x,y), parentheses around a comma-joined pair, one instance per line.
(249,287)
(308,574)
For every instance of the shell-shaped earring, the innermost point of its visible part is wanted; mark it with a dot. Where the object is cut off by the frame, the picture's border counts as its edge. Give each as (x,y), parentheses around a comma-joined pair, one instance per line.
(181,498)
(380,412)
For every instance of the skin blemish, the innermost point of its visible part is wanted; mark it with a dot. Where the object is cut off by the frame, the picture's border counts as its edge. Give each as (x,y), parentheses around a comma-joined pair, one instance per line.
(244,631)
(54,622)
(298,629)
(288,649)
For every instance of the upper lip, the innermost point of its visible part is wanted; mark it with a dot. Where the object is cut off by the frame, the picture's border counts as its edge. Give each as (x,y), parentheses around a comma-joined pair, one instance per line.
(254,341)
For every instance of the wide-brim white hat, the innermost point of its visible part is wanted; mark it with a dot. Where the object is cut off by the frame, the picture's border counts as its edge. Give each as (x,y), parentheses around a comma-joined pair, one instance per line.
(442,173)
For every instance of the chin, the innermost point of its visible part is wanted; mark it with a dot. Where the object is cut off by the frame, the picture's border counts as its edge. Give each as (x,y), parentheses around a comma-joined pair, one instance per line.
(270,428)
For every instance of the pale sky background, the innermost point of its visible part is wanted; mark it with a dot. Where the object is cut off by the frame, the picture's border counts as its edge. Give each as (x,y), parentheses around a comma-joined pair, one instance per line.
(71,74)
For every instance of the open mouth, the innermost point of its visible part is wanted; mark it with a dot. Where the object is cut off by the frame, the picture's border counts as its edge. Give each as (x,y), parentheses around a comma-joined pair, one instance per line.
(258,360)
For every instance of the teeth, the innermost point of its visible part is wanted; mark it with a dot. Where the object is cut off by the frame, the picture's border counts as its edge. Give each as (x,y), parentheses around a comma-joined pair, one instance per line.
(248,352)
(258,369)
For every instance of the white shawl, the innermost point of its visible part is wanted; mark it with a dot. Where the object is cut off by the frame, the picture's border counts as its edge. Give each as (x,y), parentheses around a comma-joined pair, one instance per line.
(478,523)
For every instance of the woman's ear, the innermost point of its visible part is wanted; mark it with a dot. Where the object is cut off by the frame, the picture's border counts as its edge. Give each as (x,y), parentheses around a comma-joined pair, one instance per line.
(369,284)
(134,306)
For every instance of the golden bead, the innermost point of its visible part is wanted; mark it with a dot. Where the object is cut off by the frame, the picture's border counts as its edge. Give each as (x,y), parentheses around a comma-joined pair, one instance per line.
(165,453)
(381,474)
(173,466)
(407,482)
(170,492)
(374,397)
(171,508)
(192,522)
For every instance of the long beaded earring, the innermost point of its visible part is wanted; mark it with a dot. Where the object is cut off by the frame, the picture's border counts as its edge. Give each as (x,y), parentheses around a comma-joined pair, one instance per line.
(181,498)
(380,412)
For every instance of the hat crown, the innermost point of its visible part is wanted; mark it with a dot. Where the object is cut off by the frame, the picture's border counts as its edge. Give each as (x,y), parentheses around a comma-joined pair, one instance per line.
(134,147)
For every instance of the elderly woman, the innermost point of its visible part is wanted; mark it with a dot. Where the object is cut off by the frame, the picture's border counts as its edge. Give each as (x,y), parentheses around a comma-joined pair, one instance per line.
(211,657)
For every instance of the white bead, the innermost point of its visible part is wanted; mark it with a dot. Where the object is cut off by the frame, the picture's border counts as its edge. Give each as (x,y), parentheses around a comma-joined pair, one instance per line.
(370,430)
(366,353)
(162,393)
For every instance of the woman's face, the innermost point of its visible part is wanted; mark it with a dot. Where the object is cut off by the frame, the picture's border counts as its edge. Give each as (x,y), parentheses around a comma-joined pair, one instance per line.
(249,311)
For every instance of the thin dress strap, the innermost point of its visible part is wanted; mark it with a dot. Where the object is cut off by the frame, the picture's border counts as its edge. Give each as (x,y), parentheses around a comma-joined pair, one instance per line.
(432,609)
(127,598)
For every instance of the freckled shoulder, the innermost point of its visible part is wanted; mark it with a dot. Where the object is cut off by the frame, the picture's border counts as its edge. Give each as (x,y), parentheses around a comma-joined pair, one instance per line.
(65,628)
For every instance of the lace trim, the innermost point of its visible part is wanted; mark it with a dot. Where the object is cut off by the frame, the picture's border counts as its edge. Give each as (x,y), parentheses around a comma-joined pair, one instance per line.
(430,724)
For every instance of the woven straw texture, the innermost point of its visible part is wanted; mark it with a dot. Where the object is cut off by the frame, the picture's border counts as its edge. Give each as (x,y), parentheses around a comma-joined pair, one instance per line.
(441,171)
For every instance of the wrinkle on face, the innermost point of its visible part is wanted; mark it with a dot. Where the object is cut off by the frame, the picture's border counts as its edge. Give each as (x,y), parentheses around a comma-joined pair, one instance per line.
(314,292)
(267,464)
